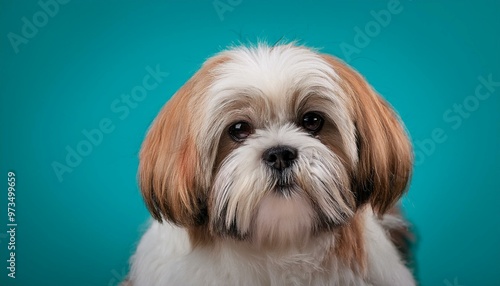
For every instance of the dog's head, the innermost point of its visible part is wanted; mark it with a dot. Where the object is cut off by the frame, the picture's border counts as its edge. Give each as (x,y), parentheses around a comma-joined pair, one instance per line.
(273,143)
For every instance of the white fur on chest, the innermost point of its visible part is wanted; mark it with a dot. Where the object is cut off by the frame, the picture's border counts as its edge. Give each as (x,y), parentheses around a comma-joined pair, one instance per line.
(164,257)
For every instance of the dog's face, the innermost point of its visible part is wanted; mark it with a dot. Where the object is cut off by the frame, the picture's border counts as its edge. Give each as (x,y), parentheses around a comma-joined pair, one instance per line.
(273,145)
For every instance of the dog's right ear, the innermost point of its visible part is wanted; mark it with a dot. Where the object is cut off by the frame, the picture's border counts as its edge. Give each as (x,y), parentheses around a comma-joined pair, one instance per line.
(169,168)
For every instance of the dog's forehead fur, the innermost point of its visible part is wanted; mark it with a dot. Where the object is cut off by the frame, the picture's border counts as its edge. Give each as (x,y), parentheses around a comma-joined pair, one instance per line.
(272,70)
(277,79)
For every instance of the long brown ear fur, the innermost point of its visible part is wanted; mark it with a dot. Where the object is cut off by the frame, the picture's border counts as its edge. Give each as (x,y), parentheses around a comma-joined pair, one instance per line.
(169,169)
(385,152)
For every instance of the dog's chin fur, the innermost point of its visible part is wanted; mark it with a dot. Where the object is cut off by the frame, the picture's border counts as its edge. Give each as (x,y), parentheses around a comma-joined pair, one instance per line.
(283,222)
(224,216)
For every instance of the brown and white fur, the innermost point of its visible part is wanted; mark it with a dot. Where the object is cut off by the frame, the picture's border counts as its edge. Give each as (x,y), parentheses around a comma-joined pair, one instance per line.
(224,215)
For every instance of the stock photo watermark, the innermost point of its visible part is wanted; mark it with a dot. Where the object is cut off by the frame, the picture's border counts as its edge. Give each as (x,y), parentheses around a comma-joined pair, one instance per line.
(11,225)
(455,117)
(31,26)
(364,34)
(223,6)
(120,107)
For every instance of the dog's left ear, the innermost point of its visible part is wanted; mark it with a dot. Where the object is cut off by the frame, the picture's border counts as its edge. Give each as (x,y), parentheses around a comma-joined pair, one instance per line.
(385,152)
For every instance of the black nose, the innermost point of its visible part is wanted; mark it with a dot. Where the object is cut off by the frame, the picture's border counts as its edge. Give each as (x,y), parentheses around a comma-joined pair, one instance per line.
(280,157)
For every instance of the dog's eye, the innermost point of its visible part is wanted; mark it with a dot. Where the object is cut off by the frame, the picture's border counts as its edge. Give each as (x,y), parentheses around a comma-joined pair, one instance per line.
(312,122)
(240,131)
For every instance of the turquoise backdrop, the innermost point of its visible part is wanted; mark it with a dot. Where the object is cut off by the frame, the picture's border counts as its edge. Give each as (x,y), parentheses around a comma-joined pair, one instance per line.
(69,68)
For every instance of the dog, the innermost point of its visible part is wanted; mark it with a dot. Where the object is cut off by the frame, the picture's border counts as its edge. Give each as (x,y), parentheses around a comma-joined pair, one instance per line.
(274,165)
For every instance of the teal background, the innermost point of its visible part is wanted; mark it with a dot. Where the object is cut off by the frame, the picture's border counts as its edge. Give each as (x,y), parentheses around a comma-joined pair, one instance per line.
(81,231)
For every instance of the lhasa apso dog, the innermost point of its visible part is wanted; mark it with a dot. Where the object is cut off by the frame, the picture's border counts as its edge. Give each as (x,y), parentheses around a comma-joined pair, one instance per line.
(274,165)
